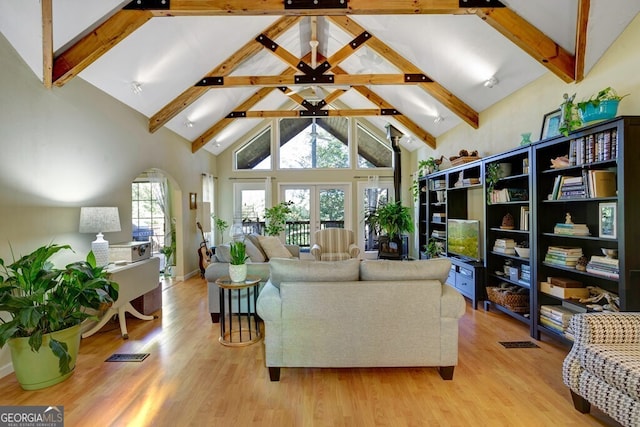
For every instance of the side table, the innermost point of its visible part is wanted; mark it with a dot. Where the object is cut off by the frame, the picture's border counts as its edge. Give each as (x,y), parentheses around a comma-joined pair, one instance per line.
(237,329)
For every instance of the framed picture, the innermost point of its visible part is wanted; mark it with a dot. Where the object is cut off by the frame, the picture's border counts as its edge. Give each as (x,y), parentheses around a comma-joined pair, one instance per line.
(550,125)
(607,220)
(193,198)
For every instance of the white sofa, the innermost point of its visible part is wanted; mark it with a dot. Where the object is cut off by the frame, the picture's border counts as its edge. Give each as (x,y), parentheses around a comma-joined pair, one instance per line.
(258,265)
(352,313)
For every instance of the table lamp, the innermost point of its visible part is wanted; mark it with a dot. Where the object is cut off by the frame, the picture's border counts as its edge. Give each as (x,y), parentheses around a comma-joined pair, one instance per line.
(99,220)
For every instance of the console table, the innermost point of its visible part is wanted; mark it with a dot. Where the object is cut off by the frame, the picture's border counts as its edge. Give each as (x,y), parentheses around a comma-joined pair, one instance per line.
(135,279)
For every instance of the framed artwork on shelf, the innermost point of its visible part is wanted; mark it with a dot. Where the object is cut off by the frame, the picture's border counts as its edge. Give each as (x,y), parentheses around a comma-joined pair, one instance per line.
(550,125)
(193,201)
(607,220)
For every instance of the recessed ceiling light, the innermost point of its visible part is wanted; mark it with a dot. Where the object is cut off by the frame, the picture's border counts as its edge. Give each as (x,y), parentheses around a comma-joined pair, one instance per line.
(491,82)
(439,119)
(136,87)
(188,123)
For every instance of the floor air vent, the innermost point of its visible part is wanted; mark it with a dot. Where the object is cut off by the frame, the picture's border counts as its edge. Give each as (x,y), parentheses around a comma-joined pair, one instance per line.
(132,357)
(519,344)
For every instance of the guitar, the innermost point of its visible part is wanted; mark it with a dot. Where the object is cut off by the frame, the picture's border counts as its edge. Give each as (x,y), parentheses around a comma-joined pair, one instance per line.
(204,253)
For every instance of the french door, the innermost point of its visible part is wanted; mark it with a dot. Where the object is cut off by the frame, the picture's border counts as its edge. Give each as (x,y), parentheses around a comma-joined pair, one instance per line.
(315,207)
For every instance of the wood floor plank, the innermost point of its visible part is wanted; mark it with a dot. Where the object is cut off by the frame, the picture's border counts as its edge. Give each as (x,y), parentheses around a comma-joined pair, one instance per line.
(190,379)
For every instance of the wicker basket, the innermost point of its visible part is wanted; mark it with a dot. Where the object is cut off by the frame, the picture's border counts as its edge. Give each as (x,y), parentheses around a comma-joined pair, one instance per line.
(506,297)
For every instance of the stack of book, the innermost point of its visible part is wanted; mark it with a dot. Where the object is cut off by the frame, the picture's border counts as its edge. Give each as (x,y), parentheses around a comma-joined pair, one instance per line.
(465,182)
(524,218)
(505,246)
(440,234)
(597,147)
(563,256)
(439,217)
(571,229)
(603,266)
(557,318)
(509,195)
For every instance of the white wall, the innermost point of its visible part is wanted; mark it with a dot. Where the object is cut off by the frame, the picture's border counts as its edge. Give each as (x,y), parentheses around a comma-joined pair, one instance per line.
(503,123)
(75,146)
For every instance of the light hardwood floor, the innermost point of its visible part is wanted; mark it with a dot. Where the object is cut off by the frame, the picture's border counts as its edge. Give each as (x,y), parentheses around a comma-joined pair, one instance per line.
(190,379)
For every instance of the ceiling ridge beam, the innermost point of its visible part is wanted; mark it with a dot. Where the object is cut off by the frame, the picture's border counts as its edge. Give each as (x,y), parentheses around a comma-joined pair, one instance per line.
(95,44)
(433,88)
(336,79)
(47,43)
(358,112)
(531,40)
(352,7)
(581,37)
(191,94)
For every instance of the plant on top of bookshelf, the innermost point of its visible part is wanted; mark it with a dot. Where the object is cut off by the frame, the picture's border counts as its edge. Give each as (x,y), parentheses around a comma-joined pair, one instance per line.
(603,105)
(569,119)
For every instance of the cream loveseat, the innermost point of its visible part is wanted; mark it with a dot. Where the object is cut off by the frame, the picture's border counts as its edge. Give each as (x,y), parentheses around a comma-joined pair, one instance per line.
(374,313)
(257,265)
(603,367)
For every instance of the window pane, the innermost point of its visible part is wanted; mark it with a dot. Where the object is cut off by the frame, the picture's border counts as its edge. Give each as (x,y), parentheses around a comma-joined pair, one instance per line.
(255,154)
(373,151)
(252,210)
(314,143)
(373,198)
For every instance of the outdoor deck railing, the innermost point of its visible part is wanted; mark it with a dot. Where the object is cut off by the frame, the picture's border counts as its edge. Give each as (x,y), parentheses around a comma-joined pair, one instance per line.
(296,232)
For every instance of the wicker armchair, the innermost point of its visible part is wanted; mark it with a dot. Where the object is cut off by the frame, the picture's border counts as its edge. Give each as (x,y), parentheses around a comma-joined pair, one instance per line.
(603,367)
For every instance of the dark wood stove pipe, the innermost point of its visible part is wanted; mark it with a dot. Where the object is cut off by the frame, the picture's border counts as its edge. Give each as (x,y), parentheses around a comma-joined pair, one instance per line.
(394,135)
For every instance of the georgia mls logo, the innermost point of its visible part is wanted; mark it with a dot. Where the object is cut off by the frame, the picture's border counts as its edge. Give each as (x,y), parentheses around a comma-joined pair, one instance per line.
(31,416)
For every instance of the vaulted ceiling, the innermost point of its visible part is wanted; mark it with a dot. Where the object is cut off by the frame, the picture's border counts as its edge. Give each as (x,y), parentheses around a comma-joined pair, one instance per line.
(213,70)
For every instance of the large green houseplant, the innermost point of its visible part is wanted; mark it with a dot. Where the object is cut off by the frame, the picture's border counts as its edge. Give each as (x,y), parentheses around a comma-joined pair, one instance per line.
(45,303)
(276,218)
(393,219)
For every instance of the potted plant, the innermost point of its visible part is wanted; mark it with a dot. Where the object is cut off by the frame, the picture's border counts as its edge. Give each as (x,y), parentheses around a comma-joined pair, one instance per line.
(46,306)
(433,248)
(221,225)
(603,105)
(393,220)
(237,262)
(425,167)
(276,218)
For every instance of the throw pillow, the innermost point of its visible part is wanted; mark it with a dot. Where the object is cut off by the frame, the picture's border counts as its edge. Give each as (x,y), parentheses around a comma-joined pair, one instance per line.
(273,247)
(254,254)
(222,253)
(437,269)
(254,239)
(293,270)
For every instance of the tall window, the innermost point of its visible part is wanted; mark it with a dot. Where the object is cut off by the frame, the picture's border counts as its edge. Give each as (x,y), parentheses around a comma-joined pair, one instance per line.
(314,143)
(147,212)
(249,206)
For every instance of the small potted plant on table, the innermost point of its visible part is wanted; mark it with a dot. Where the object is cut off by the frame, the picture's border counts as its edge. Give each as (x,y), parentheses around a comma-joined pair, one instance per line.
(237,261)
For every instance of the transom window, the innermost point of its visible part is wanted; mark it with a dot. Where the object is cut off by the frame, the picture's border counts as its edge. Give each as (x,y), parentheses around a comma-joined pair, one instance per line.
(373,151)
(255,154)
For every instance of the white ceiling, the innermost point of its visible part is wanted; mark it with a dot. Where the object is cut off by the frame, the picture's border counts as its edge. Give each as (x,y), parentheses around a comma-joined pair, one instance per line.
(167,55)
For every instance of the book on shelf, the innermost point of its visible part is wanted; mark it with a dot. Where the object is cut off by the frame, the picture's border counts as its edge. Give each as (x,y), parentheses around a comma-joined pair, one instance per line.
(603,183)
(564,282)
(557,313)
(549,323)
(603,273)
(506,251)
(439,233)
(438,184)
(524,218)
(505,243)
(571,229)
(568,250)
(598,147)
(604,260)
(574,306)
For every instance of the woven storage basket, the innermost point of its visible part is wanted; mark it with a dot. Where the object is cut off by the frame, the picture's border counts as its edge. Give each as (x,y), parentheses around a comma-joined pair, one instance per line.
(518,303)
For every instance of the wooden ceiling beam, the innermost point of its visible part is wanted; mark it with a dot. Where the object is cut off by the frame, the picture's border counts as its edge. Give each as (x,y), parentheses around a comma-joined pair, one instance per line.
(47,43)
(258,96)
(446,98)
(533,41)
(581,37)
(335,79)
(190,95)
(280,7)
(265,114)
(95,44)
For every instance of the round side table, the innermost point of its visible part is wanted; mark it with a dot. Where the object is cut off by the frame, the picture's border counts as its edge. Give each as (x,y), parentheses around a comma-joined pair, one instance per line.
(239,327)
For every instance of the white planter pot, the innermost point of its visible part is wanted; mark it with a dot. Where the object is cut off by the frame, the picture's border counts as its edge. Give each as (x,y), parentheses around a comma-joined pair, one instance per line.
(238,273)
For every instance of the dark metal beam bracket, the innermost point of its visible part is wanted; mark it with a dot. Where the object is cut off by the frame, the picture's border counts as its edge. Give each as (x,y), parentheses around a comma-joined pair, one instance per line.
(149,4)
(236,114)
(480,3)
(390,112)
(315,4)
(417,77)
(313,79)
(211,81)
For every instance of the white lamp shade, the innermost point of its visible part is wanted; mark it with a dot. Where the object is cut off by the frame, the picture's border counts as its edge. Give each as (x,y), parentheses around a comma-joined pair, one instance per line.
(99,220)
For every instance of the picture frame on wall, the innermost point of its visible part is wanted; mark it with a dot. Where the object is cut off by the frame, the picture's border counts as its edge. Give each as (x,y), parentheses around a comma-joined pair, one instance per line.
(550,125)
(193,201)
(607,220)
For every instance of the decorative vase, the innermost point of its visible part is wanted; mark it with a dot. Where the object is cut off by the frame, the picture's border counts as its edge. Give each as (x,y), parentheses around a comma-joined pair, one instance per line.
(526,138)
(36,370)
(238,273)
